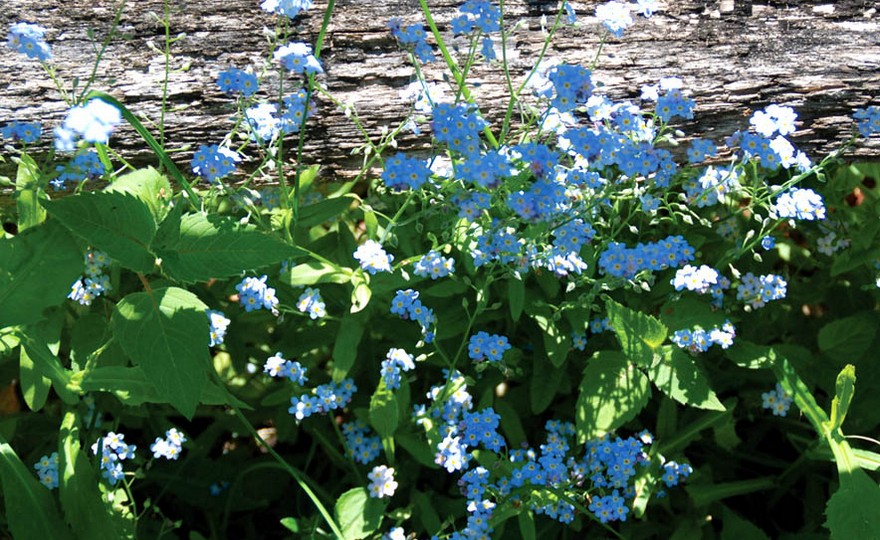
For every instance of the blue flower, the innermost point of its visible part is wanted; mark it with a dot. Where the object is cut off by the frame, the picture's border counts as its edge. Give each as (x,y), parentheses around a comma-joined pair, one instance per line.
(615,16)
(29,39)
(218,325)
(298,58)
(868,120)
(373,258)
(235,81)
(798,203)
(92,122)
(288,8)
(310,302)
(435,265)
(26,132)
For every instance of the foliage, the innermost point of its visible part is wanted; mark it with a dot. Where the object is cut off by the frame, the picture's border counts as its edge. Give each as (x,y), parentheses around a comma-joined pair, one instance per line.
(542,328)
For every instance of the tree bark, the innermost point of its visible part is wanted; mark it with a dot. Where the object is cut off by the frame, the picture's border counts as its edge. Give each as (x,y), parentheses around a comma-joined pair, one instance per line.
(734,56)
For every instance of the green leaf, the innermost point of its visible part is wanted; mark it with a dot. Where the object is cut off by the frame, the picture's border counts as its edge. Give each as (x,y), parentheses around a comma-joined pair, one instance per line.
(734,527)
(290,523)
(639,334)
(361,294)
(678,376)
(612,393)
(852,510)
(511,424)
(165,331)
(321,211)
(84,507)
(314,272)
(543,384)
(34,386)
(37,269)
(345,347)
(131,387)
(210,246)
(426,513)
(30,507)
(556,343)
(148,185)
(384,415)
(845,389)
(516,297)
(526,525)
(751,356)
(49,365)
(117,223)
(849,337)
(358,514)
(706,494)
(28,194)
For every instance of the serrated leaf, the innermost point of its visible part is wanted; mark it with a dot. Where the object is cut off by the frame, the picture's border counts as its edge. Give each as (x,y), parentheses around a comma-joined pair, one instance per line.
(358,514)
(852,510)
(849,337)
(314,272)
(210,246)
(148,185)
(611,393)
(31,512)
(81,500)
(37,269)
(118,223)
(639,334)
(165,331)
(678,376)
(845,388)
(131,387)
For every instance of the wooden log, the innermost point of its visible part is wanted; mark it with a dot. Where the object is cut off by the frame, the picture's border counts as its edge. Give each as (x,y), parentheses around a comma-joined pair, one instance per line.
(734,56)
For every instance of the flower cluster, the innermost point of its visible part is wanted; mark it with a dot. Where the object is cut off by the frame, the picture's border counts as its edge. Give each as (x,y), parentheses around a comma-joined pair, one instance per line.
(698,340)
(324,398)
(382,482)
(288,8)
(485,346)
(170,446)
(868,120)
(405,172)
(92,122)
(47,470)
(701,280)
(435,265)
(218,325)
(360,444)
(674,473)
(29,39)
(396,360)
(85,165)
(407,304)
(311,303)
(803,204)
(777,400)
(373,258)
(96,282)
(236,81)
(266,122)
(26,132)
(113,450)
(298,58)
(756,291)
(213,162)
(253,293)
(621,261)
(278,366)
(412,36)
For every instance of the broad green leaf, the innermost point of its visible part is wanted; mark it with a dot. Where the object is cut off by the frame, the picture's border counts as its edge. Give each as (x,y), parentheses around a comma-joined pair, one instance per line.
(854,258)
(426,513)
(28,194)
(845,388)
(639,334)
(50,366)
(511,424)
(118,223)
(314,272)
(543,384)
(321,211)
(371,222)
(417,448)
(849,337)
(358,514)
(148,185)
(385,416)
(165,331)
(706,494)
(81,500)
(526,524)
(852,510)
(345,347)
(131,387)
(556,343)
(291,524)
(37,269)
(751,356)
(34,386)
(361,294)
(31,512)
(734,527)
(688,312)
(516,297)
(612,393)
(678,376)
(210,246)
